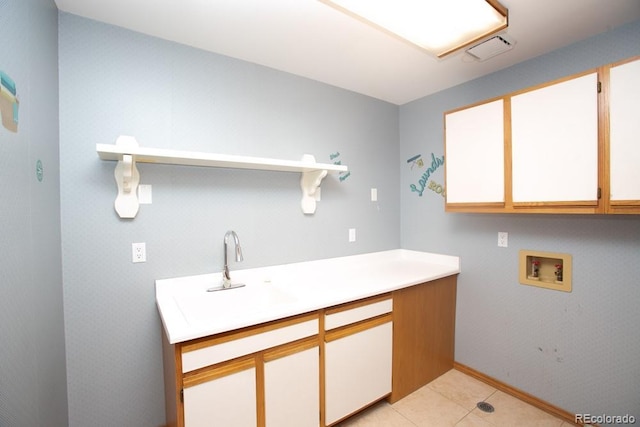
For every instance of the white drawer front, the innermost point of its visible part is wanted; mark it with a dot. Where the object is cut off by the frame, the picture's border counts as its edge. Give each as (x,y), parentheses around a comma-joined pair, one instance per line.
(207,356)
(335,320)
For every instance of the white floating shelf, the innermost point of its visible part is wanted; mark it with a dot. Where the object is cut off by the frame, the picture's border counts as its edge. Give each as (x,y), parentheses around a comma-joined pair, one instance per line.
(127,153)
(190,158)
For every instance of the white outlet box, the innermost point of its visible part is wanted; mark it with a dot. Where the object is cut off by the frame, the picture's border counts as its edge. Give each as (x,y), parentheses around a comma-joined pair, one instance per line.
(352,235)
(138,252)
(374,194)
(144,194)
(503,239)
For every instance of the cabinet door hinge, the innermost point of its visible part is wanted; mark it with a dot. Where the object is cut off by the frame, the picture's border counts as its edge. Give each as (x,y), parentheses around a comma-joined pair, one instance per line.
(599,193)
(599,87)
(181,395)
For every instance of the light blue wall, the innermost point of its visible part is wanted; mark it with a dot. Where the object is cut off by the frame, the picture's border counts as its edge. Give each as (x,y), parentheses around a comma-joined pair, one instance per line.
(577,350)
(32,347)
(167,95)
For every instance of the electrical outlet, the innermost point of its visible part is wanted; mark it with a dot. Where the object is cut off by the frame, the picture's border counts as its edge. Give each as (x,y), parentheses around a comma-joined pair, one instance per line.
(374,194)
(138,252)
(352,235)
(503,239)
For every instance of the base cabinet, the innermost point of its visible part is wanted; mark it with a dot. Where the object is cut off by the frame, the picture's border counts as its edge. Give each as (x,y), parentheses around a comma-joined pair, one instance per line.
(357,371)
(315,369)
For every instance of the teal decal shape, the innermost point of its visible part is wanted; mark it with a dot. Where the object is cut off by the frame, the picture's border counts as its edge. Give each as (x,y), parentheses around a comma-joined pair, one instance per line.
(39,170)
(9,102)
(436,162)
(342,175)
(416,161)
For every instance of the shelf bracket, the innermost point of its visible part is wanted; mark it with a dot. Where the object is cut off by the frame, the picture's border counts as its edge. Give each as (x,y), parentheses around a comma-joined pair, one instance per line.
(310,182)
(127,178)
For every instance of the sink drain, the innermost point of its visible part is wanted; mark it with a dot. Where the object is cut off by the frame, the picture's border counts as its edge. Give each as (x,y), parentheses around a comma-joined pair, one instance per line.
(485,407)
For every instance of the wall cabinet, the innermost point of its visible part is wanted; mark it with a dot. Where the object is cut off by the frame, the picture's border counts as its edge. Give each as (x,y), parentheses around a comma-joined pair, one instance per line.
(623,144)
(567,147)
(554,143)
(475,142)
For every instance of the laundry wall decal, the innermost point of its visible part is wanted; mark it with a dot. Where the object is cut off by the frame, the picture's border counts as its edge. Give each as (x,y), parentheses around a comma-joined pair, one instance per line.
(424,182)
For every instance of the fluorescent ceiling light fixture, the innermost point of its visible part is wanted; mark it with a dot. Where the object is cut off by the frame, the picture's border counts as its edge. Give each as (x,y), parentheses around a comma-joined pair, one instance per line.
(439,26)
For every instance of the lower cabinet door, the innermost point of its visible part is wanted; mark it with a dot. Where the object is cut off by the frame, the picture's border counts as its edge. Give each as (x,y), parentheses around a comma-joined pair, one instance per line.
(357,371)
(226,401)
(292,389)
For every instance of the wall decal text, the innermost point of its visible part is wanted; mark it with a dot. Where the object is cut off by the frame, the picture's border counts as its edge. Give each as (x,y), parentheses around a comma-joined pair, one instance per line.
(436,162)
(342,175)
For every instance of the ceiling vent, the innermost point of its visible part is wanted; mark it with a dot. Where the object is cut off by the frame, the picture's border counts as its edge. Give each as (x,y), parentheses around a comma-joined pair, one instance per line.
(491,47)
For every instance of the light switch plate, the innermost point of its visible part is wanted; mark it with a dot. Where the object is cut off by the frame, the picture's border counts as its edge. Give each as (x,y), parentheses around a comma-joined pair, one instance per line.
(352,235)
(503,239)
(144,194)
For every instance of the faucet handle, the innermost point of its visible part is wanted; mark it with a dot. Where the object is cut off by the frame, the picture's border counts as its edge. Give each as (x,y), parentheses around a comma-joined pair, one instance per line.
(226,283)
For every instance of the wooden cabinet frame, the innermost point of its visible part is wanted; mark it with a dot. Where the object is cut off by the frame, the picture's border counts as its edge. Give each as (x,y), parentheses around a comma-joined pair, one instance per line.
(602,205)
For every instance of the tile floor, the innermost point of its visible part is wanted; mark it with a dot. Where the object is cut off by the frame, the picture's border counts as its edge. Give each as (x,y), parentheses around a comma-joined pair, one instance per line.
(450,400)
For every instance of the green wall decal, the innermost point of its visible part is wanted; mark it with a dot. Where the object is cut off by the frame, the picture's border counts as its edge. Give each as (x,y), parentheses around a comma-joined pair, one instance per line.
(343,175)
(416,160)
(39,170)
(436,162)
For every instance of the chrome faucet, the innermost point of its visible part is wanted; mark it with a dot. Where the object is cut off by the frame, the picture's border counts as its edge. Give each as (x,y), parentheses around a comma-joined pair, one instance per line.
(226,279)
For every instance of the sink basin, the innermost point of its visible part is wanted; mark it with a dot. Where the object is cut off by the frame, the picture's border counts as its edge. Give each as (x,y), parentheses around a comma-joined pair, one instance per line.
(207,307)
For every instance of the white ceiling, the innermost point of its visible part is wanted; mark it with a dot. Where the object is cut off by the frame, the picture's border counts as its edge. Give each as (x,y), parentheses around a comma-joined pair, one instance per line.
(311,39)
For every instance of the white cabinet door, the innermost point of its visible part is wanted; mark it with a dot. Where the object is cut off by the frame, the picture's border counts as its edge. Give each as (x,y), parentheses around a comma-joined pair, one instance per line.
(357,371)
(624,140)
(554,142)
(228,401)
(292,390)
(474,154)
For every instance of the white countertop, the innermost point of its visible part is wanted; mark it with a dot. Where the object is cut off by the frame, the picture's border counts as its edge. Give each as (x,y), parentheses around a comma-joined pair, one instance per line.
(188,311)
